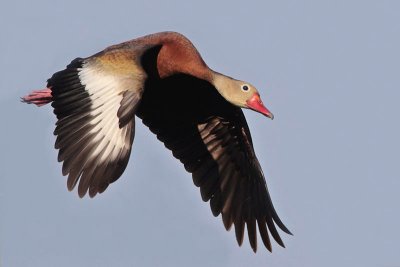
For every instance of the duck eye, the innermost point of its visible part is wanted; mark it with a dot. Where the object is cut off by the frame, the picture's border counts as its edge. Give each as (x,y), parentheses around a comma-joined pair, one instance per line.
(245,88)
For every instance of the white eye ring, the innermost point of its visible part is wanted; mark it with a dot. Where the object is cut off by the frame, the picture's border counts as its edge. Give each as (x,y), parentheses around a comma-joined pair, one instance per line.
(245,88)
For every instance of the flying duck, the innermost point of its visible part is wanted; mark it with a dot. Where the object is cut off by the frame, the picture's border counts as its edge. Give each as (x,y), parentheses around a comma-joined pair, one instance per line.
(195,111)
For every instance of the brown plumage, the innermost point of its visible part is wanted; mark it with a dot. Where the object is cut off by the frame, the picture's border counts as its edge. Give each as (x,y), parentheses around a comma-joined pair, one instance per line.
(196,112)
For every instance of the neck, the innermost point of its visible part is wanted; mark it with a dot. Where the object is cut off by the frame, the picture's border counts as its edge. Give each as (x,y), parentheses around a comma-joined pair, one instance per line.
(178,55)
(220,82)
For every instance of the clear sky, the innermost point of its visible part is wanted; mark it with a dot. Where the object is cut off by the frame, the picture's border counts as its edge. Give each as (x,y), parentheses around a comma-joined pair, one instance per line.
(328,70)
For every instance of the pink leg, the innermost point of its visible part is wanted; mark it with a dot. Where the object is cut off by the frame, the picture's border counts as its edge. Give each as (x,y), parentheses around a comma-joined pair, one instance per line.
(39,98)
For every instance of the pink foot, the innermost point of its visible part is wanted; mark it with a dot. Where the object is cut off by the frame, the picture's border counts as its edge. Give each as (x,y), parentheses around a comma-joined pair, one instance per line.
(39,98)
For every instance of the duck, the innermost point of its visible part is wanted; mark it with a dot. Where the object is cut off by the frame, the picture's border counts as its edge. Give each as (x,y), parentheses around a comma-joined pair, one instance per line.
(193,110)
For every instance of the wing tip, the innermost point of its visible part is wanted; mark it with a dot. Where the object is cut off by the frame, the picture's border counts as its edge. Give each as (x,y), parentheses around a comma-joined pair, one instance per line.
(81,194)
(283,227)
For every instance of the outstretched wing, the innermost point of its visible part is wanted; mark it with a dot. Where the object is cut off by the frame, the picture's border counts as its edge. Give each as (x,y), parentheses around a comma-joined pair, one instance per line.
(211,138)
(95,105)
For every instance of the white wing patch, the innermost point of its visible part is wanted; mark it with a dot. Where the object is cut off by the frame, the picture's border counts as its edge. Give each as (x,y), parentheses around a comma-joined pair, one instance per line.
(105,92)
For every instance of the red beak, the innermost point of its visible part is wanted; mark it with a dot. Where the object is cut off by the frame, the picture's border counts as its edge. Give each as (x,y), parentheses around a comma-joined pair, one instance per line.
(256,104)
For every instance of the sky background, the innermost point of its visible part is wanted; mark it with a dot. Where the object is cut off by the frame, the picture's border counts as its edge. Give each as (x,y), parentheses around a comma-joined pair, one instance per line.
(328,70)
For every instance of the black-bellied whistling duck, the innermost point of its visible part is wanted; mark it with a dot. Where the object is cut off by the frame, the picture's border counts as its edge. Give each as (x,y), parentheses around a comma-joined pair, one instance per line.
(195,111)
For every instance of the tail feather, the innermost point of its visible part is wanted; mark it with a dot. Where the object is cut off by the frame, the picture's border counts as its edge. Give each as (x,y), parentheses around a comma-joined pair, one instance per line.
(39,97)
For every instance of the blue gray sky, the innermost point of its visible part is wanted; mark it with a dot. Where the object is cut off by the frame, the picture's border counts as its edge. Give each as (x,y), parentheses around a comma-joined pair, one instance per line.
(329,70)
